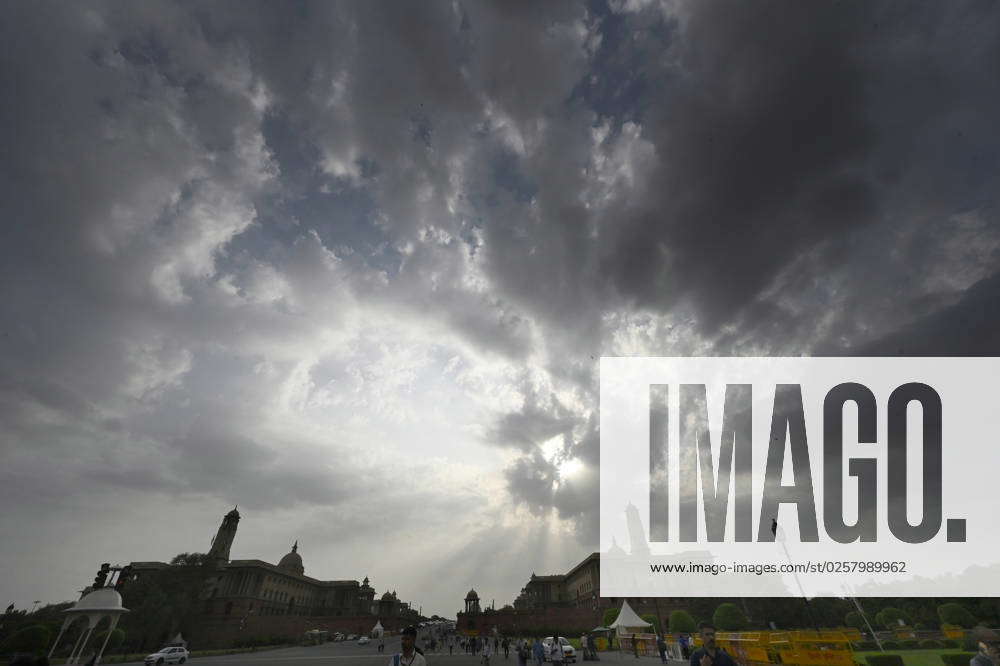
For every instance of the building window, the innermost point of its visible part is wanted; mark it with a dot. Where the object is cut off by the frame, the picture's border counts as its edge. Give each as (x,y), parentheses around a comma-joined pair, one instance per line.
(229,607)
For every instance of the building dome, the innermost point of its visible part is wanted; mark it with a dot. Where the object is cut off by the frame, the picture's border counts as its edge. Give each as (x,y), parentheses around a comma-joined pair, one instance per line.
(471,595)
(386,596)
(292,561)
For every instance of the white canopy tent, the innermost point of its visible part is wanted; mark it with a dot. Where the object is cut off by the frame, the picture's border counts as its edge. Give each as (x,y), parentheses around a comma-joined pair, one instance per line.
(378,630)
(628,622)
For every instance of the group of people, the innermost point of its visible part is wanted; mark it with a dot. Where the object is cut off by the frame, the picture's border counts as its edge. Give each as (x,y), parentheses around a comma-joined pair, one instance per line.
(709,654)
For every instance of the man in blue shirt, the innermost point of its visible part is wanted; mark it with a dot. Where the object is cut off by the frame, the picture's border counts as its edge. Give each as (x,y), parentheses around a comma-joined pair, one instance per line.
(709,654)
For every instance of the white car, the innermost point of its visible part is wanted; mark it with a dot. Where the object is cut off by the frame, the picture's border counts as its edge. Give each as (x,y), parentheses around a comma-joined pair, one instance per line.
(351,637)
(569,654)
(364,640)
(169,655)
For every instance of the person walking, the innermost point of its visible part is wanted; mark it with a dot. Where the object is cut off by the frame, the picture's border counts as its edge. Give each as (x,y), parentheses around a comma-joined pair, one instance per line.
(409,655)
(381,643)
(487,653)
(556,653)
(522,653)
(635,645)
(539,652)
(592,647)
(661,647)
(505,644)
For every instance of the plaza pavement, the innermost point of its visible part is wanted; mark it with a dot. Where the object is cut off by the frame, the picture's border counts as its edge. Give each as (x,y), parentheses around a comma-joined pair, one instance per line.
(351,654)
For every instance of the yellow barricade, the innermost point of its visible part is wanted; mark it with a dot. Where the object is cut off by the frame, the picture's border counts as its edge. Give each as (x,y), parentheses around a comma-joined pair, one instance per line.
(951,631)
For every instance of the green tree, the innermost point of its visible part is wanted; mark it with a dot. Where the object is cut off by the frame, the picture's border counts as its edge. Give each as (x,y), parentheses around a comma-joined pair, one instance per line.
(649,617)
(115,642)
(956,614)
(680,621)
(854,619)
(34,638)
(189,559)
(610,616)
(889,617)
(729,617)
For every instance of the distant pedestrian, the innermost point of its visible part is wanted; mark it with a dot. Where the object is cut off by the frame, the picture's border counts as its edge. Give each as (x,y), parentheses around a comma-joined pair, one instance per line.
(506,647)
(556,653)
(409,656)
(592,646)
(538,651)
(487,653)
(522,653)
(661,647)
(635,645)
(381,644)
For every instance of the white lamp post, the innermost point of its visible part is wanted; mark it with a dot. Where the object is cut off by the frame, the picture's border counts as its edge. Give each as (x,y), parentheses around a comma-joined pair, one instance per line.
(94,606)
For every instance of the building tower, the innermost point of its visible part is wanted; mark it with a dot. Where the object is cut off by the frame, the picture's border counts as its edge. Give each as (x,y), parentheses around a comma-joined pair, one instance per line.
(472,603)
(223,541)
(636,532)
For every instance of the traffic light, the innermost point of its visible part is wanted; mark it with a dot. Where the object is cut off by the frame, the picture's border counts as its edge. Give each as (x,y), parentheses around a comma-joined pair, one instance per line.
(102,576)
(123,577)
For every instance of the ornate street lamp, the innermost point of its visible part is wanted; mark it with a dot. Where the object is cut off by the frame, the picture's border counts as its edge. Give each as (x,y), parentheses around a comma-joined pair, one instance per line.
(95,606)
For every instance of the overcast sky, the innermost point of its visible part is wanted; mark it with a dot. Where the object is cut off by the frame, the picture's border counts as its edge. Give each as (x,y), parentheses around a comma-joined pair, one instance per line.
(352,265)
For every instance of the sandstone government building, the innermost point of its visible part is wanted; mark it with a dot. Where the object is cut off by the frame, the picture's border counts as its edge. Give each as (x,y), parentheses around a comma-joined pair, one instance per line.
(235,600)
(238,599)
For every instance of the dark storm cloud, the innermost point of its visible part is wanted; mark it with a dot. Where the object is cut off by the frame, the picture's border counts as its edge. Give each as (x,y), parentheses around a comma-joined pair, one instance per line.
(823,175)
(762,122)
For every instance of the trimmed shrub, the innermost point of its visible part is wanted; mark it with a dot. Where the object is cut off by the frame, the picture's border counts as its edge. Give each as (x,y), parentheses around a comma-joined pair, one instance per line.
(909,644)
(729,617)
(884,660)
(956,614)
(930,644)
(854,619)
(889,617)
(890,645)
(957,658)
(681,622)
(865,646)
(950,644)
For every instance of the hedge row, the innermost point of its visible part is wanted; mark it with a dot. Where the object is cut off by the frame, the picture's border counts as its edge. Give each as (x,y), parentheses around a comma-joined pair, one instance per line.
(957,658)
(884,660)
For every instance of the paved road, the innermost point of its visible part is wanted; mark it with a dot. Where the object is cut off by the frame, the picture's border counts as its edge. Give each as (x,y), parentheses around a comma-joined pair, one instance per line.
(341,654)
(351,654)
